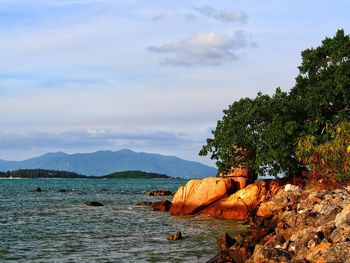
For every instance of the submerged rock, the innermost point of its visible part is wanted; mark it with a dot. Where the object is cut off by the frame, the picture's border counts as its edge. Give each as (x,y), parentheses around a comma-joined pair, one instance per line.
(226,241)
(62,190)
(162,206)
(175,236)
(38,190)
(159,193)
(144,203)
(93,203)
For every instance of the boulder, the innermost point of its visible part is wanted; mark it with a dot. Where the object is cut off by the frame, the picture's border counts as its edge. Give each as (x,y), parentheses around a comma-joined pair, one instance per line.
(240,204)
(242,176)
(226,256)
(200,193)
(159,193)
(93,203)
(225,242)
(175,236)
(162,206)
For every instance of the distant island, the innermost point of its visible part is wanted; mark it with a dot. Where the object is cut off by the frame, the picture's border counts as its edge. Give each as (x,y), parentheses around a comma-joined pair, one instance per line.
(135,175)
(42,173)
(102,163)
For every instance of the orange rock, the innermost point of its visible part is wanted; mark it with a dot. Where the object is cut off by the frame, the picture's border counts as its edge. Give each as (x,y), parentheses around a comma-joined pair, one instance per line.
(197,194)
(313,252)
(238,205)
(240,172)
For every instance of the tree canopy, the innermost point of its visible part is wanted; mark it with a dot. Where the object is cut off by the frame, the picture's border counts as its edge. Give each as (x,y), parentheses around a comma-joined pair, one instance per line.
(262,133)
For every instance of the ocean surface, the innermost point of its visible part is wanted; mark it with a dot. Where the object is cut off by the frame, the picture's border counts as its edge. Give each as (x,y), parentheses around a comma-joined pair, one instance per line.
(53,226)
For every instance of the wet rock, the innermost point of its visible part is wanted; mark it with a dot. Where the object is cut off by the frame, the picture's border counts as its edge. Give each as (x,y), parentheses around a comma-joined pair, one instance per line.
(144,203)
(38,190)
(62,190)
(159,193)
(175,236)
(162,206)
(270,254)
(226,256)
(93,203)
(226,241)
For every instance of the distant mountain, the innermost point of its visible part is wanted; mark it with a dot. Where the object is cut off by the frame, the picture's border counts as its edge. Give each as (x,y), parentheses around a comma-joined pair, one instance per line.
(107,162)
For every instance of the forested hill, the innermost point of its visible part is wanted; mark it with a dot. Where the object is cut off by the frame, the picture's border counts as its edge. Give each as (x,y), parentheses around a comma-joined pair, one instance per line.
(135,175)
(41,173)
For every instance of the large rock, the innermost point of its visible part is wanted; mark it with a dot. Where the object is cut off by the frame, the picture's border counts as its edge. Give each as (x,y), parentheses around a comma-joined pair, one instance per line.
(198,194)
(240,204)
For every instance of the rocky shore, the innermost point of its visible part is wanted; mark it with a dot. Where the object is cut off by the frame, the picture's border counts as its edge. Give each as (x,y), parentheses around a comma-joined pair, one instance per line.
(288,223)
(295,225)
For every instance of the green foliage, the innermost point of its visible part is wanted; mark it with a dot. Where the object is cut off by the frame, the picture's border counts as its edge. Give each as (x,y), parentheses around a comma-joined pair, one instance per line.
(135,175)
(329,161)
(262,133)
(39,173)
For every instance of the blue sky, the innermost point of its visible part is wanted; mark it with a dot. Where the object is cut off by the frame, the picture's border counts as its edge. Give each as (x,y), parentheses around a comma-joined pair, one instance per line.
(154,76)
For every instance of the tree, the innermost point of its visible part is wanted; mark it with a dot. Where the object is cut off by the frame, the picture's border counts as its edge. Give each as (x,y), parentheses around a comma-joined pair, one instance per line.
(323,86)
(262,133)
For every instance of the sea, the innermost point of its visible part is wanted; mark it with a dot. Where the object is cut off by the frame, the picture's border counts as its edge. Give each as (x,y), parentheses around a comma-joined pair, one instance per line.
(56,226)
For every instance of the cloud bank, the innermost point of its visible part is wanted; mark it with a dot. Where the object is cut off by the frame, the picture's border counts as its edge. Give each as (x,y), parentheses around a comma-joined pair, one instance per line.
(208,48)
(228,16)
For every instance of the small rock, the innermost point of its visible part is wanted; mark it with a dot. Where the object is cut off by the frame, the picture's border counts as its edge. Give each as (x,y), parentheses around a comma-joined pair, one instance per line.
(93,203)
(159,193)
(291,188)
(38,190)
(162,206)
(226,256)
(343,218)
(175,236)
(311,254)
(62,191)
(225,241)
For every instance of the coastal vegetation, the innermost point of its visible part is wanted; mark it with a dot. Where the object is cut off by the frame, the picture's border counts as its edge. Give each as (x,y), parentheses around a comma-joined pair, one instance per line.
(135,175)
(304,131)
(42,173)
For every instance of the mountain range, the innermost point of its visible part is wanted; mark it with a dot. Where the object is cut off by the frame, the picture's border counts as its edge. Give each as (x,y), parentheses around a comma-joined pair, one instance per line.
(106,162)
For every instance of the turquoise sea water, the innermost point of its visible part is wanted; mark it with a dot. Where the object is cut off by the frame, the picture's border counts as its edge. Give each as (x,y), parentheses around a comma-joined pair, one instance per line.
(52,226)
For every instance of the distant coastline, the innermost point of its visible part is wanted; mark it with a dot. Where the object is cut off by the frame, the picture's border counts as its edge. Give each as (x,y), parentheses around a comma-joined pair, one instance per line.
(54,174)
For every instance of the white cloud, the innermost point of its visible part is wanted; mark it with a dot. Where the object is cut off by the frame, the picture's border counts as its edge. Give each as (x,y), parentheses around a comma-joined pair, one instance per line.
(228,16)
(203,49)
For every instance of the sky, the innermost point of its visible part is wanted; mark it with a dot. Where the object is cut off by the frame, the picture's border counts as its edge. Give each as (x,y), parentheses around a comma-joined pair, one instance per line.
(151,76)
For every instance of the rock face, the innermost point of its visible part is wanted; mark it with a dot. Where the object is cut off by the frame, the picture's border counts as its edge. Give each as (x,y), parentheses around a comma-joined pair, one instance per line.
(298,225)
(159,193)
(242,203)
(197,194)
(216,197)
(162,206)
